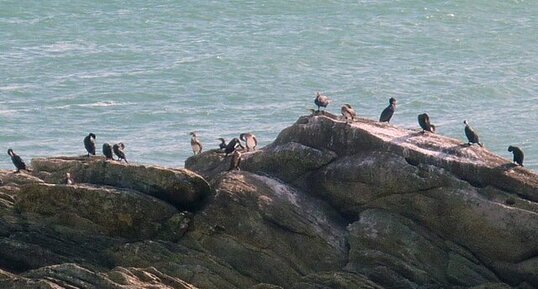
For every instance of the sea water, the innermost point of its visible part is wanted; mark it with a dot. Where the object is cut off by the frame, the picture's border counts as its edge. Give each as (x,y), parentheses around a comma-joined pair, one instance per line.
(146,73)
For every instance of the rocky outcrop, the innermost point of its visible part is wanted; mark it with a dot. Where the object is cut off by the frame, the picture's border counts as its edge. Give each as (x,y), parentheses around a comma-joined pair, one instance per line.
(179,187)
(107,210)
(326,205)
(423,210)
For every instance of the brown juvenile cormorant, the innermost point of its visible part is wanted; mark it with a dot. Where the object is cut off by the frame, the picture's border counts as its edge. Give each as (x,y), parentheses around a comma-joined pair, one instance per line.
(235,161)
(230,148)
(348,112)
(17,161)
(89,144)
(195,144)
(222,145)
(518,154)
(424,122)
(472,136)
(321,100)
(387,113)
(118,150)
(250,140)
(107,151)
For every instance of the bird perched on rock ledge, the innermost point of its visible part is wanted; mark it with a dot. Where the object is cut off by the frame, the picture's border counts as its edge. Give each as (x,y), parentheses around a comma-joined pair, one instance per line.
(472,136)
(195,144)
(518,154)
(387,113)
(424,122)
(321,100)
(348,113)
(17,161)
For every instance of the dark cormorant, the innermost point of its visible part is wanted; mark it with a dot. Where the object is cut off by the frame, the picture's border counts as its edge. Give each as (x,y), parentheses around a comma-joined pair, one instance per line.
(230,148)
(195,144)
(89,144)
(222,145)
(118,150)
(68,179)
(518,154)
(107,151)
(424,122)
(250,140)
(17,161)
(348,112)
(235,161)
(321,100)
(472,136)
(387,113)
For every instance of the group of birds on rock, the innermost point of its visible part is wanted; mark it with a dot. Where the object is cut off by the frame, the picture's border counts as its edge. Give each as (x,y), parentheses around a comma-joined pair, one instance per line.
(117,149)
(229,148)
(349,114)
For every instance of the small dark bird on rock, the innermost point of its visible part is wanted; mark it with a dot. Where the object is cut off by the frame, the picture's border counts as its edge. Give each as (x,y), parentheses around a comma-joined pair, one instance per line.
(195,144)
(68,179)
(387,113)
(118,151)
(518,154)
(232,145)
(348,112)
(321,100)
(472,136)
(89,144)
(17,161)
(235,161)
(250,140)
(222,145)
(424,122)
(107,151)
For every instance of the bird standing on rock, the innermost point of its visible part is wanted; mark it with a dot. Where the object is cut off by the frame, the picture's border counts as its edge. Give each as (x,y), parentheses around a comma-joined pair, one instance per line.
(250,140)
(472,136)
(107,151)
(232,145)
(321,100)
(518,154)
(89,144)
(387,113)
(424,122)
(17,161)
(235,161)
(348,112)
(118,150)
(195,144)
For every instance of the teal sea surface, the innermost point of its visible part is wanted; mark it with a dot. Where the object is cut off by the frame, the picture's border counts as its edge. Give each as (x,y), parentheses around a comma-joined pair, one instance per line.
(146,73)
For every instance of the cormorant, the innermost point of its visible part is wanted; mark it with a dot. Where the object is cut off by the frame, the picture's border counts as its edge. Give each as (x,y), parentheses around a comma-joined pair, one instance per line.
(118,150)
(68,179)
(195,144)
(518,154)
(222,145)
(250,140)
(89,144)
(321,100)
(17,161)
(472,136)
(107,151)
(387,113)
(230,148)
(348,112)
(235,161)
(424,122)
